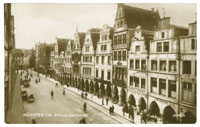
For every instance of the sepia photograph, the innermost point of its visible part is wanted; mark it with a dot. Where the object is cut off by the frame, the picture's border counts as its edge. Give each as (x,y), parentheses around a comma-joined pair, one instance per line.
(100,63)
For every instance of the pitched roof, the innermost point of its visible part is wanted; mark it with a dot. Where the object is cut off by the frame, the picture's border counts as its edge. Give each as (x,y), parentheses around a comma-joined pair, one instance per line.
(62,44)
(82,38)
(134,16)
(95,35)
(18,52)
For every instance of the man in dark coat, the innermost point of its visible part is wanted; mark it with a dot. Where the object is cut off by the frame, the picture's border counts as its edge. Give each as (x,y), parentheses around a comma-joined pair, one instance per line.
(84,107)
(52,93)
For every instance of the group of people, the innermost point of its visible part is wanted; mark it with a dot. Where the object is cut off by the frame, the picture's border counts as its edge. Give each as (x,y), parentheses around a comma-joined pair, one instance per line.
(84,95)
(111,110)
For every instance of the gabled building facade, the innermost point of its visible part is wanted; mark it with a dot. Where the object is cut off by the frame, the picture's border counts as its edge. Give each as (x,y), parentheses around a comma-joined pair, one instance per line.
(188,74)
(138,61)
(88,61)
(103,64)
(79,39)
(126,20)
(164,71)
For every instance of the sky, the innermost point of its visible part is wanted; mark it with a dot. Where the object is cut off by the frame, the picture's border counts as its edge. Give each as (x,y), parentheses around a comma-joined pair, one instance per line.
(44,22)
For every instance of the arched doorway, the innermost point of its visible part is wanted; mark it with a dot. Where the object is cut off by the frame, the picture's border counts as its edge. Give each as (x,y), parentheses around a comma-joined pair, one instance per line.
(142,104)
(108,91)
(102,92)
(96,89)
(188,118)
(168,115)
(91,87)
(154,109)
(122,97)
(115,95)
(131,100)
(78,83)
(86,86)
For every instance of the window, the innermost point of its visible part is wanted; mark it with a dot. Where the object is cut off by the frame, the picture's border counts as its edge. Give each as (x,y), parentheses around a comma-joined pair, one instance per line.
(193,44)
(102,74)
(119,55)
(102,59)
(187,92)
(137,64)
(119,39)
(90,58)
(101,47)
(186,67)
(108,75)
(115,55)
(115,40)
(137,48)
(172,66)
(143,64)
(154,65)
(105,47)
(143,83)
(162,65)
(163,34)
(97,59)
(154,85)
(131,81)
(137,82)
(172,88)
(195,68)
(131,63)
(162,83)
(109,60)
(97,73)
(124,38)
(159,47)
(124,55)
(166,46)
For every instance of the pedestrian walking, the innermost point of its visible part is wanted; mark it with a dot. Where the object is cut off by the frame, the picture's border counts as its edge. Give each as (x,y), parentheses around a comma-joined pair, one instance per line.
(63,91)
(123,110)
(84,107)
(52,93)
(142,117)
(82,121)
(110,110)
(56,84)
(82,95)
(113,110)
(33,121)
(130,109)
(107,99)
(86,95)
(36,81)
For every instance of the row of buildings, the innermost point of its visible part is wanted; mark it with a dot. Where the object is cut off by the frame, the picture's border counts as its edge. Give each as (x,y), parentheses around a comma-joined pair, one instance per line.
(143,60)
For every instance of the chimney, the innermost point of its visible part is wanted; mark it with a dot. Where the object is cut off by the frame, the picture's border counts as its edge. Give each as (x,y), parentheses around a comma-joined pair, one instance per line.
(152,9)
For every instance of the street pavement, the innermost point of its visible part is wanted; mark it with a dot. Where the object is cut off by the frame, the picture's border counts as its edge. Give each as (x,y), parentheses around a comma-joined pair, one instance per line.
(66,108)
(16,110)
